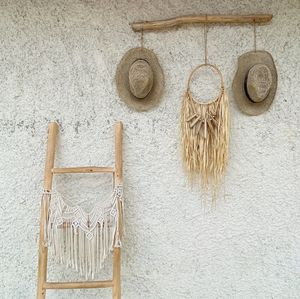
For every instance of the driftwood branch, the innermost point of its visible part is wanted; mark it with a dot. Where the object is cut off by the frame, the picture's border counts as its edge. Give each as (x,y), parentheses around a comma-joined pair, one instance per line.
(208,19)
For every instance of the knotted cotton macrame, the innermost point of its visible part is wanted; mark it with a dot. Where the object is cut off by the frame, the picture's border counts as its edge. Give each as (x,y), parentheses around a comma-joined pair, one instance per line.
(83,240)
(205,135)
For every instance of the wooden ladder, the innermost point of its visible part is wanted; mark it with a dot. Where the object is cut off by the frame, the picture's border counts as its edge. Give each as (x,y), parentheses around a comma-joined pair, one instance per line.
(50,170)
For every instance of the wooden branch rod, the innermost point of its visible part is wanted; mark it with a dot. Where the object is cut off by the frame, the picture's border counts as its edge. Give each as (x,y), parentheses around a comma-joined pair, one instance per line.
(88,169)
(208,19)
(79,285)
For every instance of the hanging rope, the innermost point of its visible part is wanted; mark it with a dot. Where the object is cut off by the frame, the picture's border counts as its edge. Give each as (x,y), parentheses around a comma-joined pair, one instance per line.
(254,33)
(142,38)
(205,40)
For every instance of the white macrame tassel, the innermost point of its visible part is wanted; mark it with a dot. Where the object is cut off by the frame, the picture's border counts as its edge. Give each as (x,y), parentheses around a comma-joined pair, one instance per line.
(83,241)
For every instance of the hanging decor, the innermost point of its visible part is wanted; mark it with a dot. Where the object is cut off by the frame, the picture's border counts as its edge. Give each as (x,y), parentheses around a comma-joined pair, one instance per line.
(139,78)
(76,238)
(205,133)
(255,82)
(79,239)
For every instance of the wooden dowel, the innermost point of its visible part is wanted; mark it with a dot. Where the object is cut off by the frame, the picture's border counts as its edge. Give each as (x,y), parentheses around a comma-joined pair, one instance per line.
(118,181)
(79,285)
(196,19)
(88,169)
(43,251)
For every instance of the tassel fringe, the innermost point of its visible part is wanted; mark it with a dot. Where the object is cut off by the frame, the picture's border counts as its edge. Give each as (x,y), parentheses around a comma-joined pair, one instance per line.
(205,138)
(81,240)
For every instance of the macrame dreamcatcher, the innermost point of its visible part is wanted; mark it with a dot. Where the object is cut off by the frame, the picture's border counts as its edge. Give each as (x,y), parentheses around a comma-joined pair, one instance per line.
(83,240)
(205,133)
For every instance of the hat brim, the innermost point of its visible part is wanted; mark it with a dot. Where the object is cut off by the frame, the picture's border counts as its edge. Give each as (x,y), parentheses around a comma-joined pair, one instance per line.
(122,79)
(245,63)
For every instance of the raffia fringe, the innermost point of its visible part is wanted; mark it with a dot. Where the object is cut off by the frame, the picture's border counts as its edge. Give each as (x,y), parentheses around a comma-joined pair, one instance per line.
(205,138)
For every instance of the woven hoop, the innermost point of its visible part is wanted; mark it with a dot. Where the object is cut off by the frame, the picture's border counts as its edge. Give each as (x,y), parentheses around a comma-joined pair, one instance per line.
(217,71)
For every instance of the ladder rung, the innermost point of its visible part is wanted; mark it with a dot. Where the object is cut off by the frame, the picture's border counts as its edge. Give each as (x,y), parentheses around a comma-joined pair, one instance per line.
(79,285)
(91,169)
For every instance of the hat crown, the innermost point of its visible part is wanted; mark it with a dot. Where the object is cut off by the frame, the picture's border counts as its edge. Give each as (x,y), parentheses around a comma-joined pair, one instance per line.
(140,78)
(259,82)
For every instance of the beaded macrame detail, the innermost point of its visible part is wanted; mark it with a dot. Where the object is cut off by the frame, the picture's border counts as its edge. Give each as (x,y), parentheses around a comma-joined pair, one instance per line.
(83,240)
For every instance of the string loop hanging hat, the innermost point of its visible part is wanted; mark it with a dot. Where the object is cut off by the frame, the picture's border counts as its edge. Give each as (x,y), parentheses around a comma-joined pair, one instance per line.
(255,82)
(140,78)
(205,132)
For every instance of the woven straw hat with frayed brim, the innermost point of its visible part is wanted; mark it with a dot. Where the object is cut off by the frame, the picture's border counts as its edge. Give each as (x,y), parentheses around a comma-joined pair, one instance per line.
(123,81)
(246,62)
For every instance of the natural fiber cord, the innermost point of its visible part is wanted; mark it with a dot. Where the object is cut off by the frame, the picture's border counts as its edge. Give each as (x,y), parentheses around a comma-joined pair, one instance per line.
(205,136)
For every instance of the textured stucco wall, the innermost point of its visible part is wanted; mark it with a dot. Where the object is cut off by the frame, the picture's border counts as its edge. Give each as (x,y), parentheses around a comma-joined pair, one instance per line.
(58,61)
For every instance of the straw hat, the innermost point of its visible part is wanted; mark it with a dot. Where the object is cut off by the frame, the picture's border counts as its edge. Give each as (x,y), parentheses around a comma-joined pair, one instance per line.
(255,82)
(140,79)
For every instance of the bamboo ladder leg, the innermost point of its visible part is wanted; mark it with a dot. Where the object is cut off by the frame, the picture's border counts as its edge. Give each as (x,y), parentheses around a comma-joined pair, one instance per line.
(118,181)
(43,251)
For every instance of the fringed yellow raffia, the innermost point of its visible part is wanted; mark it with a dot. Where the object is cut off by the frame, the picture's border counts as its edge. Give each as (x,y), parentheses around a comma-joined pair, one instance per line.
(205,136)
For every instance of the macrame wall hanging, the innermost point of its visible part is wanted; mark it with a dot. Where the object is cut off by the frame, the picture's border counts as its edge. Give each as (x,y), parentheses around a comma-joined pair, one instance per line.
(82,240)
(205,133)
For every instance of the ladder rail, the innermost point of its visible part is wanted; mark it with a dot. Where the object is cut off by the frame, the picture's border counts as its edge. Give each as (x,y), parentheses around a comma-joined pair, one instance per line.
(48,176)
(118,180)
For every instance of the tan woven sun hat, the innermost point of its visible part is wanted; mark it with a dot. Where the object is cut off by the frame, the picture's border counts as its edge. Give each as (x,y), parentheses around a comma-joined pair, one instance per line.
(255,82)
(140,79)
